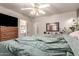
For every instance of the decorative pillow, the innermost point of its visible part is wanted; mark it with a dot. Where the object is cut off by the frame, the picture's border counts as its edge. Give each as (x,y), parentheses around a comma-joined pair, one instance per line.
(75,34)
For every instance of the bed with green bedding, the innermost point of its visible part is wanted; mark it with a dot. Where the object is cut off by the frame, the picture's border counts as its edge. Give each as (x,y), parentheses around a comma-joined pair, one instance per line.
(38,46)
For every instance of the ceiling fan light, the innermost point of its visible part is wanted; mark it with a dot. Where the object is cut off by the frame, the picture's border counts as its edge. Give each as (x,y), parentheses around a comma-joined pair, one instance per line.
(37,14)
(32,12)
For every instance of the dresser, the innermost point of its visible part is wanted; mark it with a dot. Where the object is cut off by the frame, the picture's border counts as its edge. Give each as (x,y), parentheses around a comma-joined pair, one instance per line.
(8,32)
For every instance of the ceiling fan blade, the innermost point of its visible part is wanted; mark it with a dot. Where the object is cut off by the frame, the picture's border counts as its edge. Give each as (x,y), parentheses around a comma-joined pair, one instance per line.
(26,8)
(44,6)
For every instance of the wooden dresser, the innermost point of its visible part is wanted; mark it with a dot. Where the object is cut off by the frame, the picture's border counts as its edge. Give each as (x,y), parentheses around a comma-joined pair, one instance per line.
(8,32)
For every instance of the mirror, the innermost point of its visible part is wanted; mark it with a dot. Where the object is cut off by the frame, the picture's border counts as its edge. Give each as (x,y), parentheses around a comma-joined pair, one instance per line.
(52,27)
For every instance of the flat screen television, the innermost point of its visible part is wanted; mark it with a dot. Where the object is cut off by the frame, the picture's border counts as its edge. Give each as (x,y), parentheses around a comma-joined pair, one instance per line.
(6,20)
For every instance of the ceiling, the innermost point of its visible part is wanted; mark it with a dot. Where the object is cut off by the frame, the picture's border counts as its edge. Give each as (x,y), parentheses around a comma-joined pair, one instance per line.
(54,8)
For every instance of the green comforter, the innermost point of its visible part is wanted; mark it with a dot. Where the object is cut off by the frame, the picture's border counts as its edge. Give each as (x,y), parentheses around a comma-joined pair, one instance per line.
(39,46)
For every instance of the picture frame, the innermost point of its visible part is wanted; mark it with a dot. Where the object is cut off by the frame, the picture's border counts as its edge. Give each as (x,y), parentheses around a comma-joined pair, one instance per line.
(52,27)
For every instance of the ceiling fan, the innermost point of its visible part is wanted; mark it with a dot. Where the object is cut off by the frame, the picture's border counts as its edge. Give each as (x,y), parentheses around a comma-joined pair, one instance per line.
(36,9)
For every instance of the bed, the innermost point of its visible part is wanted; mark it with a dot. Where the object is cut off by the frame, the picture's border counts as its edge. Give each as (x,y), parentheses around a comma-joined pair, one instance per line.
(39,46)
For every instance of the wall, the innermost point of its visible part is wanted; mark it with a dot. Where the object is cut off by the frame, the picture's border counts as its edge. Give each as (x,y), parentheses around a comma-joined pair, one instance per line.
(38,26)
(20,17)
(65,20)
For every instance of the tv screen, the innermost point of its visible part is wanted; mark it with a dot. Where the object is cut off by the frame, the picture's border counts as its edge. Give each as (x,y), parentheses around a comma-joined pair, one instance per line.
(6,20)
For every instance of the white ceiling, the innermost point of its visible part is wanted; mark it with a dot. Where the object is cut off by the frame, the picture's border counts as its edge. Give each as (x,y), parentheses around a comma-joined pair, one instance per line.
(54,8)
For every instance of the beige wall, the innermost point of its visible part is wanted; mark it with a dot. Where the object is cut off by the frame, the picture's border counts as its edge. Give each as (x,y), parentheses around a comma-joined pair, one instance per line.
(65,20)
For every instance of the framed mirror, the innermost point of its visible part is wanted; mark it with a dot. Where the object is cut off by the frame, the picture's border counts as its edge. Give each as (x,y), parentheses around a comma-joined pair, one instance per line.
(52,27)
